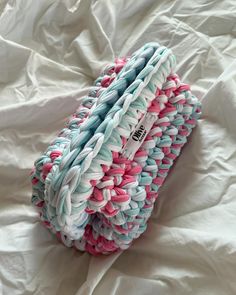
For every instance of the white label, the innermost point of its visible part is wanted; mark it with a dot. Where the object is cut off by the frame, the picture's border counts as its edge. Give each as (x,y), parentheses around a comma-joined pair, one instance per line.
(138,135)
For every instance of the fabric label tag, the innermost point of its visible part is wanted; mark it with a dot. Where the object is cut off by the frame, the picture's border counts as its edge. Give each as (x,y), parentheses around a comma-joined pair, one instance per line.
(138,135)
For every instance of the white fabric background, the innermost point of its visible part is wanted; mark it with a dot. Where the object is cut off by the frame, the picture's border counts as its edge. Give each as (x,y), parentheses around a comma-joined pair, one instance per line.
(50,52)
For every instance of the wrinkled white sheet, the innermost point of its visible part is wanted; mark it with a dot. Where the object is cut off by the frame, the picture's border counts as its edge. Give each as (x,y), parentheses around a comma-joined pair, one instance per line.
(50,52)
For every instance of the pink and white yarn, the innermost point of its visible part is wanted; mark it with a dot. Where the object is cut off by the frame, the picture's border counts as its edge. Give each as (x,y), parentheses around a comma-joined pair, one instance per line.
(97,183)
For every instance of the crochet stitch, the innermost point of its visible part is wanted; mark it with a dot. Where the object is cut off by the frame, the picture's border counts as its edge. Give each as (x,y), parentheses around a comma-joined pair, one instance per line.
(97,182)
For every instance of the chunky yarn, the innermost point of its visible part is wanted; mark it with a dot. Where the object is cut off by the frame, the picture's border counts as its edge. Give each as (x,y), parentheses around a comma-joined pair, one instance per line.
(97,182)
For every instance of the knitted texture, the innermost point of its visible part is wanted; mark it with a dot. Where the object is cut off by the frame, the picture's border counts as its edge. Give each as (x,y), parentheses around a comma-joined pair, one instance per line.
(97,182)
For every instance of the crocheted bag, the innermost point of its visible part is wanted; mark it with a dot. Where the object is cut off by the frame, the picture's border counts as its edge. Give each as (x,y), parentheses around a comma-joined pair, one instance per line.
(97,182)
